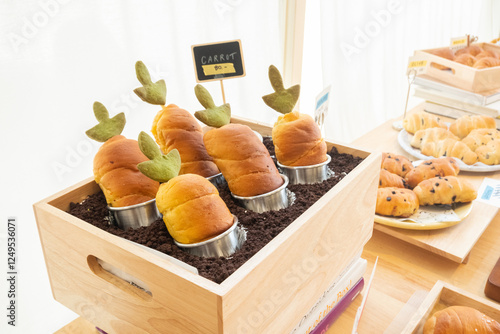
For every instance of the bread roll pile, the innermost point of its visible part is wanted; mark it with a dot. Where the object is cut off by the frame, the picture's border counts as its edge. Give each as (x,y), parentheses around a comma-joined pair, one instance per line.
(403,188)
(472,56)
(469,138)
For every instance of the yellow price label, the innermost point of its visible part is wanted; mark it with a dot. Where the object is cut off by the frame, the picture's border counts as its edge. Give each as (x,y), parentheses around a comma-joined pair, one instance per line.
(214,69)
(417,63)
(459,42)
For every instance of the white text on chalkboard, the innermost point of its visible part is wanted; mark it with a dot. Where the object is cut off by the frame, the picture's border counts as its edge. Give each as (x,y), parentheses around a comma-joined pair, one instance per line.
(217,58)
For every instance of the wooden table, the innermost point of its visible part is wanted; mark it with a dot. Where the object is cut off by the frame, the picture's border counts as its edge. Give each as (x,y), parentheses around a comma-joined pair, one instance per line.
(403,267)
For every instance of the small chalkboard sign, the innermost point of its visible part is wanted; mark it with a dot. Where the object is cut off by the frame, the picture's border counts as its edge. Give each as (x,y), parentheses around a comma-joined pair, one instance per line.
(217,61)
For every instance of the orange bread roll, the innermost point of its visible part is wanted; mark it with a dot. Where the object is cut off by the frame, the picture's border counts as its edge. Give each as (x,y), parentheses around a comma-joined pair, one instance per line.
(397,202)
(489,154)
(473,50)
(421,120)
(395,163)
(480,137)
(388,179)
(115,170)
(192,209)
(460,319)
(297,140)
(466,59)
(174,127)
(431,168)
(444,190)
(243,160)
(462,126)
(486,62)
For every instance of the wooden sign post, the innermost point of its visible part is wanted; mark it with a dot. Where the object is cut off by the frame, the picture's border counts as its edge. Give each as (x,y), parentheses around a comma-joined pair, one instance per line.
(217,61)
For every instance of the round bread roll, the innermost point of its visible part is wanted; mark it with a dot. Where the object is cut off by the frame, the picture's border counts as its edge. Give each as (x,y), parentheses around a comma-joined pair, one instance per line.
(460,319)
(466,59)
(192,209)
(397,202)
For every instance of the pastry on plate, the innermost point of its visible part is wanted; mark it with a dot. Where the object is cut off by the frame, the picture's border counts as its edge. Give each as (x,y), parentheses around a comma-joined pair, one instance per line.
(432,168)
(480,137)
(462,126)
(396,202)
(388,179)
(431,135)
(450,147)
(421,120)
(445,190)
(396,163)
(489,154)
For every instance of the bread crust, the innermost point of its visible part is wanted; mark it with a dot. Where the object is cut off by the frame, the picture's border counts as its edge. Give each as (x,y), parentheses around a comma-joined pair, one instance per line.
(176,128)
(445,190)
(397,202)
(116,172)
(460,319)
(395,163)
(431,168)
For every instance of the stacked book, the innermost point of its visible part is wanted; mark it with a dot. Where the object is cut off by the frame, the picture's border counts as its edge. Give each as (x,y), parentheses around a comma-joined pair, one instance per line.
(340,293)
(449,101)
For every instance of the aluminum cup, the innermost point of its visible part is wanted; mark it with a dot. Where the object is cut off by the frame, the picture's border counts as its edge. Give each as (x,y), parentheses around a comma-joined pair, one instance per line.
(273,200)
(307,174)
(216,179)
(223,245)
(134,216)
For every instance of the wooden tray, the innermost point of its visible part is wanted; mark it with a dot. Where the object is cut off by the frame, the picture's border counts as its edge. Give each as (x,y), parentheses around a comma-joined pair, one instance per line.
(462,76)
(268,294)
(443,295)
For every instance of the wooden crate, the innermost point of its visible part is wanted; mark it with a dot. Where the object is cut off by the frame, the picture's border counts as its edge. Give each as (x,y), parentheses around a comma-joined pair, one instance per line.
(443,295)
(268,294)
(462,76)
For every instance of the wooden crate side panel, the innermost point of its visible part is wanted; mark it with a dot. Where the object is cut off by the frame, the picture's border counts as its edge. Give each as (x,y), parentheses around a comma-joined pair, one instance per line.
(285,285)
(176,305)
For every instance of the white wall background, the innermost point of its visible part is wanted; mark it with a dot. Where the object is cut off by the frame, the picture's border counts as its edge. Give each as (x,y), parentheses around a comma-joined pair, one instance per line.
(59,56)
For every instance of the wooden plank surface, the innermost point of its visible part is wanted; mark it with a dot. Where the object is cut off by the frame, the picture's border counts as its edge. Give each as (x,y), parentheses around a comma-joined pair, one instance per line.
(454,242)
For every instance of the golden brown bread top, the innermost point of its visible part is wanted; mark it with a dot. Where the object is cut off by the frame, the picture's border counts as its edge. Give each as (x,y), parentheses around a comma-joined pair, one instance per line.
(480,137)
(192,209)
(421,120)
(460,319)
(445,190)
(462,126)
(395,163)
(243,160)
(115,170)
(489,154)
(434,135)
(431,168)
(397,202)
(449,147)
(388,179)
(297,140)
(486,62)
(175,128)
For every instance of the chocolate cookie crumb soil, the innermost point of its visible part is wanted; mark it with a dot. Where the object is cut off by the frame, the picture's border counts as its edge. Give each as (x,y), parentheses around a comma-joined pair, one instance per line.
(261,227)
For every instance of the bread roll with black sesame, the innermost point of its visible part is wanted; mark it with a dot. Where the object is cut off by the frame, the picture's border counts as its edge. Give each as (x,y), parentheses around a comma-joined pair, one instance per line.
(489,154)
(395,163)
(480,137)
(421,120)
(388,179)
(444,190)
(396,202)
(431,168)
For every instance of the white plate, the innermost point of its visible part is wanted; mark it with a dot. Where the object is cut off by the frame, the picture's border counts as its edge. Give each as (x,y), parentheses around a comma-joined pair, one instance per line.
(461,210)
(404,140)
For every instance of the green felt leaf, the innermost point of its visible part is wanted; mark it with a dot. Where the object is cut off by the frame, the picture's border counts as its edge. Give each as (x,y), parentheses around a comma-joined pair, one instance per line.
(282,100)
(107,127)
(161,167)
(151,92)
(148,146)
(212,116)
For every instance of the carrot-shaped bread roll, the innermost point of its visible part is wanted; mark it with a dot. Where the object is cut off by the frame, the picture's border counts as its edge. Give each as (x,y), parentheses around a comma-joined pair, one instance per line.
(489,154)
(432,168)
(431,135)
(395,163)
(421,120)
(450,148)
(297,138)
(191,206)
(444,190)
(397,202)
(460,319)
(240,155)
(388,179)
(175,128)
(462,126)
(115,164)
(480,137)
